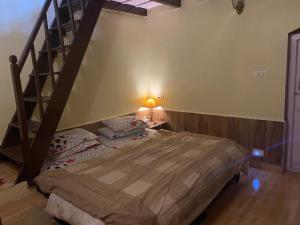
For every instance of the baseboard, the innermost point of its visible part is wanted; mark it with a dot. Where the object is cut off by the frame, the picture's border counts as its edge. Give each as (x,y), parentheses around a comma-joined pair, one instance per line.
(266,166)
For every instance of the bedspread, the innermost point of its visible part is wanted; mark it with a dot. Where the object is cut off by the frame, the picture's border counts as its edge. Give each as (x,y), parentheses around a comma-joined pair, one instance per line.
(167,180)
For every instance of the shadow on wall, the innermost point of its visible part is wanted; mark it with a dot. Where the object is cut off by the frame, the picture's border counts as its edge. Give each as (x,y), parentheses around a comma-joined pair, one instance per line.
(109,79)
(92,74)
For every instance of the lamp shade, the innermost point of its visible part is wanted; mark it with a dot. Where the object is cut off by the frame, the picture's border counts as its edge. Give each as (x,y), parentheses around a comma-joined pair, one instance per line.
(151,103)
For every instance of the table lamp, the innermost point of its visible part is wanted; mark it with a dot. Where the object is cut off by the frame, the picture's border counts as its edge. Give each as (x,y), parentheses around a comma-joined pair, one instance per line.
(151,103)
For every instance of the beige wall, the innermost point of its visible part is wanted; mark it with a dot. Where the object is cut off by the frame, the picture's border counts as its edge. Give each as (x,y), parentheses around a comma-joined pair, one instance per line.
(204,56)
(111,78)
(201,57)
(15,26)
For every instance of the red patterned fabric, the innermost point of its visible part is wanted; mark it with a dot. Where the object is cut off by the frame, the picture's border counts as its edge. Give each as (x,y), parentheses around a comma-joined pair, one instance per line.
(71,142)
(134,124)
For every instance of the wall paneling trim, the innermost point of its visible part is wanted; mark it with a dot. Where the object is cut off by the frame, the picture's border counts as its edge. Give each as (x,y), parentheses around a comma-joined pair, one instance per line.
(250,133)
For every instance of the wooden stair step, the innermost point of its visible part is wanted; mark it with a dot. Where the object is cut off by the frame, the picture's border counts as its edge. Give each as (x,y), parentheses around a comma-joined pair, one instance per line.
(35,99)
(125,8)
(55,49)
(42,62)
(74,3)
(66,26)
(33,126)
(44,74)
(14,153)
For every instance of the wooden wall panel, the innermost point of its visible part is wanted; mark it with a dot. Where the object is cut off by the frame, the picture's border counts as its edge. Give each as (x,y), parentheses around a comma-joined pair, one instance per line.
(93,127)
(250,133)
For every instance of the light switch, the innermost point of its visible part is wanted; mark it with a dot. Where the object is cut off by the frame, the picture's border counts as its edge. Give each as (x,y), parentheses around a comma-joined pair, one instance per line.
(261,74)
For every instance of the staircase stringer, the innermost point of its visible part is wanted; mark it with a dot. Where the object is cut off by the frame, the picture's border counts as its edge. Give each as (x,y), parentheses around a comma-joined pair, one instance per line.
(12,136)
(39,148)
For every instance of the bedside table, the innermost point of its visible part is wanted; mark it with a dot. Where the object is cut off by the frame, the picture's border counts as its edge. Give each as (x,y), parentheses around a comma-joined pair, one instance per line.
(159,124)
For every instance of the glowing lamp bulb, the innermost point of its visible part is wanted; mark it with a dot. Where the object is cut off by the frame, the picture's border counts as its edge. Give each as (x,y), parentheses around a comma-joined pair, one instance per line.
(150,103)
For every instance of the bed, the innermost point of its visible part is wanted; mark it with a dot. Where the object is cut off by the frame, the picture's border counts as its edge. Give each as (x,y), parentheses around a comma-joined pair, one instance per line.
(166,179)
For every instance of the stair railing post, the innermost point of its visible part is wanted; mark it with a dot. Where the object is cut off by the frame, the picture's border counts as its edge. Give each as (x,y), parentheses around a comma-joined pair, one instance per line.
(60,33)
(37,83)
(49,53)
(82,6)
(21,112)
(72,18)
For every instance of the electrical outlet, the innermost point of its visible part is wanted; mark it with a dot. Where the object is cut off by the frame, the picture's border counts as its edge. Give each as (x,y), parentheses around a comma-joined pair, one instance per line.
(261,74)
(162,97)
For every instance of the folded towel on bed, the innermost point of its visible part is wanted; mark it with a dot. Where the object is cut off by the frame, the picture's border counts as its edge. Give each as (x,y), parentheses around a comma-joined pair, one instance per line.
(110,134)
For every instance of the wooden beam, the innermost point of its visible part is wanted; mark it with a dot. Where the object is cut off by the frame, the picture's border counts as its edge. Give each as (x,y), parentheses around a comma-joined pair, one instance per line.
(125,8)
(172,3)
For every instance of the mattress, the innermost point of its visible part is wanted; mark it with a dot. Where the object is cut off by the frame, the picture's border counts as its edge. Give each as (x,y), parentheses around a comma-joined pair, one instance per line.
(63,210)
(168,180)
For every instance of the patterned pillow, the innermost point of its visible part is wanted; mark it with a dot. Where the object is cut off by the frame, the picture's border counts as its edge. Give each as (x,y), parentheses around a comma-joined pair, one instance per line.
(124,124)
(72,141)
(110,134)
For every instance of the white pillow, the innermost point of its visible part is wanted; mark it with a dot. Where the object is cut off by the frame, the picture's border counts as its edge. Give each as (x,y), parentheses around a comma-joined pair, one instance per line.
(124,123)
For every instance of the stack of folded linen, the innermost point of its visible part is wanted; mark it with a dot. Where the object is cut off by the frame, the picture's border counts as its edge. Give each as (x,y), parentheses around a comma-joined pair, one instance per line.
(122,127)
(68,143)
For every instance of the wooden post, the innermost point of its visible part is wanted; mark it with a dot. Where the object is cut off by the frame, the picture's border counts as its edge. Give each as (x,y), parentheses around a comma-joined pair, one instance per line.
(21,112)
(72,18)
(82,6)
(49,52)
(60,33)
(37,83)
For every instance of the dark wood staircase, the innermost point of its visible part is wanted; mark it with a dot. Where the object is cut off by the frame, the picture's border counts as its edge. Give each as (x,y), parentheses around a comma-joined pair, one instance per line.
(27,140)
